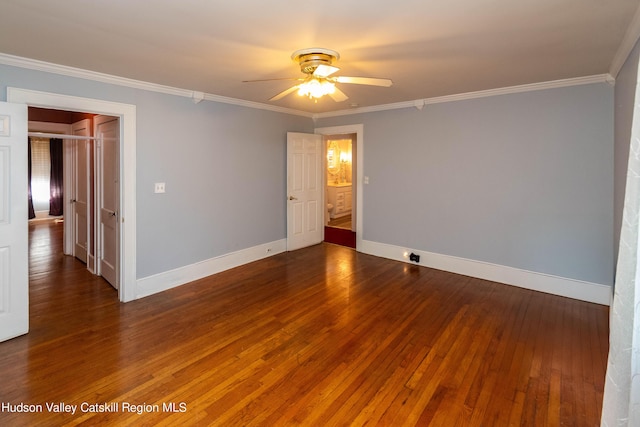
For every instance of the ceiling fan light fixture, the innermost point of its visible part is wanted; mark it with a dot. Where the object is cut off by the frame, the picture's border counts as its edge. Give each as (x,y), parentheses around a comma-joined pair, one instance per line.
(315,88)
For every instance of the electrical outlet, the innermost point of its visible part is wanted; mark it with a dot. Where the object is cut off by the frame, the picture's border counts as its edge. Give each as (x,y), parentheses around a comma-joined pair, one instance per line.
(159,187)
(413,257)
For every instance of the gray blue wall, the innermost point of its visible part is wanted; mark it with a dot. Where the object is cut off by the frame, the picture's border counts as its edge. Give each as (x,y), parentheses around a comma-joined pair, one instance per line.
(224,167)
(521,180)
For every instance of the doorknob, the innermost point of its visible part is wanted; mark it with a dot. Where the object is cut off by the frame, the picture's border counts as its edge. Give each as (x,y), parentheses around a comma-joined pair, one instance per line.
(293,198)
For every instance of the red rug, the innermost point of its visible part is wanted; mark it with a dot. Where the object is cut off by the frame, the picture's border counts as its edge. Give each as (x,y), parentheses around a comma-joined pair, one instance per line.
(340,236)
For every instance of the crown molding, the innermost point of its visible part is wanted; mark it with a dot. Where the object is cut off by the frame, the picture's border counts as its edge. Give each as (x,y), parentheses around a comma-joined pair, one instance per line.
(420,103)
(197,96)
(629,41)
(33,64)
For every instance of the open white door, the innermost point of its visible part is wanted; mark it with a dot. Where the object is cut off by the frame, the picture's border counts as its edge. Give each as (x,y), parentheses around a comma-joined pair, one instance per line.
(81,191)
(304,190)
(14,262)
(108,196)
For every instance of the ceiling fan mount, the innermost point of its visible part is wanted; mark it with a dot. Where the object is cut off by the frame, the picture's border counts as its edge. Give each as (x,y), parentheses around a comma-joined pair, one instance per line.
(310,59)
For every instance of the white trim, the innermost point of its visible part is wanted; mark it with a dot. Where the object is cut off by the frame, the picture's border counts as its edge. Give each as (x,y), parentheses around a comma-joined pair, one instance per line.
(127,114)
(629,41)
(358,129)
(33,64)
(541,282)
(170,279)
(197,96)
(601,78)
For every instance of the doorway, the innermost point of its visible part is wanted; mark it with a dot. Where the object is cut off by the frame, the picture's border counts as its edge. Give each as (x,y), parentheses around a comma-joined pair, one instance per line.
(340,150)
(85,236)
(358,177)
(127,169)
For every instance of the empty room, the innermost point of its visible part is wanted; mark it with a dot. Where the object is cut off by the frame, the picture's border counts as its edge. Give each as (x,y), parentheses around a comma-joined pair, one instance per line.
(338,213)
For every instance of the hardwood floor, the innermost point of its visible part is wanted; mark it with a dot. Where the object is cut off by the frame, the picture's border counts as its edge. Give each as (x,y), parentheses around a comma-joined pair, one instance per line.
(321,336)
(342,222)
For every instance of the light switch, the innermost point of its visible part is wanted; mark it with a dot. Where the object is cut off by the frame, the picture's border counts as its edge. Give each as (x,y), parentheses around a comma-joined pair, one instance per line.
(366,179)
(159,188)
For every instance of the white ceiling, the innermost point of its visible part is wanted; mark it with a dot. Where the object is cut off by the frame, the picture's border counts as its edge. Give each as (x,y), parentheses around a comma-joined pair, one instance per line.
(429,48)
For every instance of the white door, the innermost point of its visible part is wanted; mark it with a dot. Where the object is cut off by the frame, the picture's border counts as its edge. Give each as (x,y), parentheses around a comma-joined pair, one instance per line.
(14,263)
(108,197)
(304,190)
(81,190)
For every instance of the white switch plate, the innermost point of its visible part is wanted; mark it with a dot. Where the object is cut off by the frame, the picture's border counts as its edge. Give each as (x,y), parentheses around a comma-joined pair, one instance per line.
(366,179)
(159,187)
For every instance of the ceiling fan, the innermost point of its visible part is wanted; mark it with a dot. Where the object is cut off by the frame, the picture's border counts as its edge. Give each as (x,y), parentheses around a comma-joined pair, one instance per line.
(319,81)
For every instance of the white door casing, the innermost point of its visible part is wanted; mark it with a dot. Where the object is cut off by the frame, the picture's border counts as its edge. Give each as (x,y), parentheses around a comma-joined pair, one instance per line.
(358,163)
(81,191)
(128,290)
(14,263)
(305,195)
(107,196)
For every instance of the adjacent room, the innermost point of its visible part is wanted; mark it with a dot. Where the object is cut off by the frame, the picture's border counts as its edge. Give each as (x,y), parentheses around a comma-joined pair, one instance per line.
(419,213)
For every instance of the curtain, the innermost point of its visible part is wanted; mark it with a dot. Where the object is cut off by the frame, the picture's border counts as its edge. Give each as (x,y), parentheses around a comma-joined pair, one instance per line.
(621,403)
(32,213)
(56,202)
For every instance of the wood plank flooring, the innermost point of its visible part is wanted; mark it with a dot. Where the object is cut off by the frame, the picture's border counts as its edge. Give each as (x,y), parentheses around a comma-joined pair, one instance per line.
(342,222)
(322,336)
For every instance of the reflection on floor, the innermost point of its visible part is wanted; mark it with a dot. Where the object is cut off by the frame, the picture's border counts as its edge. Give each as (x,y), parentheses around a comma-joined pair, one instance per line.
(342,222)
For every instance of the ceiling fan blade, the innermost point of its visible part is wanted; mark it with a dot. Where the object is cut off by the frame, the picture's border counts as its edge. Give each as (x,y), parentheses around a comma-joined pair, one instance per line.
(325,70)
(338,95)
(364,81)
(284,93)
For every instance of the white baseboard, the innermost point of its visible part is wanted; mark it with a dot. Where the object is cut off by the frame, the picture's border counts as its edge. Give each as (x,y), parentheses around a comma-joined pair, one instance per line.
(571,288)
(179,276)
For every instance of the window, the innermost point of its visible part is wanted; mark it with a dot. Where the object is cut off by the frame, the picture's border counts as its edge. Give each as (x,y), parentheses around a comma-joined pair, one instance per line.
(40,174)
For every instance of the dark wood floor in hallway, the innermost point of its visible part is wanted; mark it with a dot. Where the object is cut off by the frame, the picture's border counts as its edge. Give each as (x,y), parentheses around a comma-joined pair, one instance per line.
(321,336)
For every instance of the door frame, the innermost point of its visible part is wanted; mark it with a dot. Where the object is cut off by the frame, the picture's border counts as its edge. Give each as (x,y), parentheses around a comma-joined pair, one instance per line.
(358,129)
(127,115)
